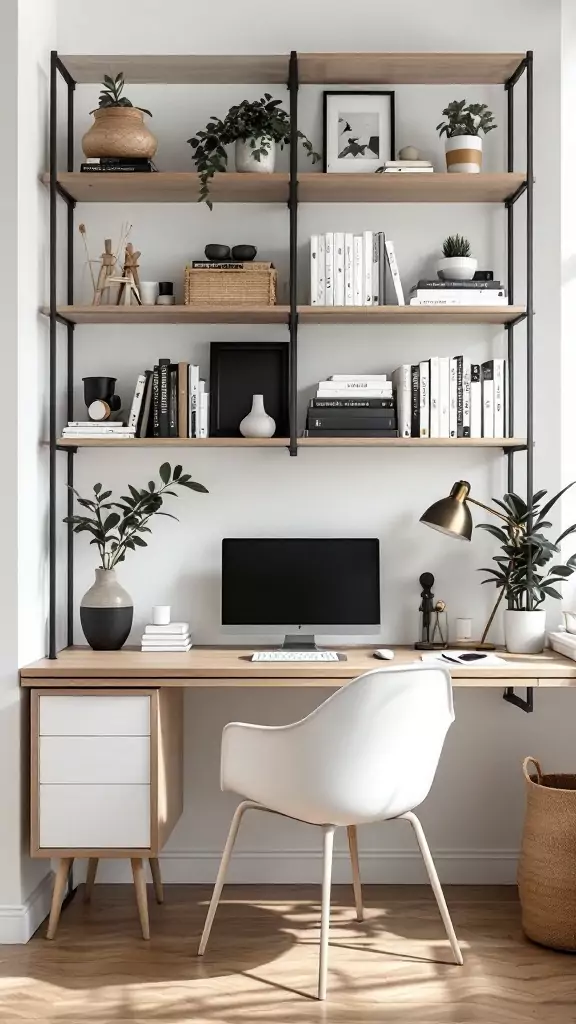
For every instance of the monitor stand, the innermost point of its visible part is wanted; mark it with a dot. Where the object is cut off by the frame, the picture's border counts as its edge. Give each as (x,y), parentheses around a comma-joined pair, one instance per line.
(300,642)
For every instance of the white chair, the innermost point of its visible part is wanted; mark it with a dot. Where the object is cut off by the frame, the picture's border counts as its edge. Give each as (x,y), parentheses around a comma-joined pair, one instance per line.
(368,753)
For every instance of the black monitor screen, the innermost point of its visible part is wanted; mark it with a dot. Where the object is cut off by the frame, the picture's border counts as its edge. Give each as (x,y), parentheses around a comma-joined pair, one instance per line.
(302,582)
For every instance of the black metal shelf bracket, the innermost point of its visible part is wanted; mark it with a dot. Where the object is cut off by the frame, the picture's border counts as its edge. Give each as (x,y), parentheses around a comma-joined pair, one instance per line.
(293,210)
(526,705)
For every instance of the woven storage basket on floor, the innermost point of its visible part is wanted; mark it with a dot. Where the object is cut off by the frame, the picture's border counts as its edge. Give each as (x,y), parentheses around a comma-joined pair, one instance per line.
(547,869)
(253,285)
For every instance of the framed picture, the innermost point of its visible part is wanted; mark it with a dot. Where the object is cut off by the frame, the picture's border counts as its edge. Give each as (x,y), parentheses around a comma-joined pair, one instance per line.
(358,131)
(240,369)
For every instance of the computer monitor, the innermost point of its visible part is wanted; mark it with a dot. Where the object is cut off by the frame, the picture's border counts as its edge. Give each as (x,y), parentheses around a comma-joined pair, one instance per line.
(321,584)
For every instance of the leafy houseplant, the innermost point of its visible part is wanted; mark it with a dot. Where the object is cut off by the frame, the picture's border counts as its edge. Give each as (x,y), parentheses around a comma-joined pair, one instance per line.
(116,527)
(462,129)
(523,573)
(456,264)
(256,127)
(118,129)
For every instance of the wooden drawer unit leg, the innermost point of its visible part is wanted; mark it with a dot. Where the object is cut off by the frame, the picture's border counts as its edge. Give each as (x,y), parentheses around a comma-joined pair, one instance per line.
(58,894)
(90,878)
(157,879)
(141,895)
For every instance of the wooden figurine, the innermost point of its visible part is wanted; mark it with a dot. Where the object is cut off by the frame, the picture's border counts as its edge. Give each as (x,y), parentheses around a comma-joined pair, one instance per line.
(130,280)
(105,274)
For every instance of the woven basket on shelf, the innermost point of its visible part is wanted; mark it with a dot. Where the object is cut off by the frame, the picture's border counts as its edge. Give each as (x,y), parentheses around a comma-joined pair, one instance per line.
(252,285)
(547,869)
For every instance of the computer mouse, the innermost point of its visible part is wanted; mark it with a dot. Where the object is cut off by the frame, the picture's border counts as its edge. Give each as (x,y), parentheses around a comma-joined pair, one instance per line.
(384,654)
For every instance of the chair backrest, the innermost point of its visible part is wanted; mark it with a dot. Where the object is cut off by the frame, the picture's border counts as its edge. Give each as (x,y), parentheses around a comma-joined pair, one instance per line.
(371,750)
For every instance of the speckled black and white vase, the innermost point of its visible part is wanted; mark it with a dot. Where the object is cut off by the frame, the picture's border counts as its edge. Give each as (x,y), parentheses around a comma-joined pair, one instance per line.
(106,612)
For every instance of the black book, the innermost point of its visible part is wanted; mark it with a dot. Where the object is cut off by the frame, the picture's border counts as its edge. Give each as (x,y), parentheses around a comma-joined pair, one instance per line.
(155,402)
(351,422)
(415,417)
(459,396)
(173,402)
(114,168)
(479,285)
(215,265)
(352,403)
(352,433)
(358,412)
(164,397)
(144,415)
(119,160)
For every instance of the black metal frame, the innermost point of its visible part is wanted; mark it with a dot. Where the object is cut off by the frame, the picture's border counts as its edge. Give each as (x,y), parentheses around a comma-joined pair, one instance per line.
(57,68)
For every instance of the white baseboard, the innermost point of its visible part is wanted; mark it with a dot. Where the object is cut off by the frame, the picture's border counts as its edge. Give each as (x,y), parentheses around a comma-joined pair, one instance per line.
(301,866)
(19,921)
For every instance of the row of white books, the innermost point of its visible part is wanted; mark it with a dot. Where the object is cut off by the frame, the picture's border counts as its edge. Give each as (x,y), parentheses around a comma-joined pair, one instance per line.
(350,270)
(175,636)
(451,397)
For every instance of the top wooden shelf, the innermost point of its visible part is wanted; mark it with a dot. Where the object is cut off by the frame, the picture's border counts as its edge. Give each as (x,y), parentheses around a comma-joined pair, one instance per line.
(313,68)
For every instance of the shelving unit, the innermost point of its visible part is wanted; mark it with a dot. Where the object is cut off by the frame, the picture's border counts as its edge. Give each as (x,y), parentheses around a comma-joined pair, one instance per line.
(294,188)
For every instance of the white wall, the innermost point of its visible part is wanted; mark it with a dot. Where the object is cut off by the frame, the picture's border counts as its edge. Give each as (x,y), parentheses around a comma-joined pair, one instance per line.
(475,809)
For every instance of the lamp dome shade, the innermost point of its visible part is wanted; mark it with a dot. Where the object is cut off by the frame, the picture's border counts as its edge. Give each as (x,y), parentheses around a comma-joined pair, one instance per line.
(451,515)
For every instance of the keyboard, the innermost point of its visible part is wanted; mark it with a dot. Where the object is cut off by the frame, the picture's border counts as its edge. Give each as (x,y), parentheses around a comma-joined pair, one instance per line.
(295,656)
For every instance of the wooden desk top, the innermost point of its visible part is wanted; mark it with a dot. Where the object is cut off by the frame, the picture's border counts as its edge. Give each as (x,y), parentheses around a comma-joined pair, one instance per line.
(231,666)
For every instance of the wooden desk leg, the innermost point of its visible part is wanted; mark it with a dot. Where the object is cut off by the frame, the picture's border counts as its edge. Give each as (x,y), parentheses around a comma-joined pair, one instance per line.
(356,883)
(141,895)
(58,895)
(90,878)
(157,879)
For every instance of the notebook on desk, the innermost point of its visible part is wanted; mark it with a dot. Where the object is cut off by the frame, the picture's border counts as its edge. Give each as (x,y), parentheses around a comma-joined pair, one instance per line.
(469,659)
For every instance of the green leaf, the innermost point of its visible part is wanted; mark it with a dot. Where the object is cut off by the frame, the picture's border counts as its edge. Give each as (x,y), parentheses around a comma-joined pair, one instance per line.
(151,486)
(495,531)
(97,488)
(551,592)
(571,529)
(165,473)
(177,472)
(553,501)
(111,521)
(193,486)
(139,541)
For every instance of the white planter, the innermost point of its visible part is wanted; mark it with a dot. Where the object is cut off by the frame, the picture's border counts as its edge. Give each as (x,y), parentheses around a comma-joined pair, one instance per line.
(464,154)
(245,160)
(257,423)
(457,268)
(525,632)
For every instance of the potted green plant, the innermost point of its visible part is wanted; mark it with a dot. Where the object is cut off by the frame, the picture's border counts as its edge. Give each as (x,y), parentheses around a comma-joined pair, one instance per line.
(256,128)
(119,129)
(524,543)
(456,263)
(106,609)
(462,129)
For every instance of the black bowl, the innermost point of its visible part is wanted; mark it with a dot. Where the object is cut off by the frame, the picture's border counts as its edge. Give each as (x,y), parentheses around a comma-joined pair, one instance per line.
(244,253)
(98,388)
(218,253)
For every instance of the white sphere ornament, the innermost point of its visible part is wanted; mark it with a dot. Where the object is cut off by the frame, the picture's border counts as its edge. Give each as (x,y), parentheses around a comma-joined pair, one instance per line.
(257,423)
(409,153)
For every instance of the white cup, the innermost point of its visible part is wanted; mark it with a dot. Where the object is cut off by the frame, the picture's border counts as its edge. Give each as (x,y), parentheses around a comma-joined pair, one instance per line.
(463,629)
(161,615)
(148,292)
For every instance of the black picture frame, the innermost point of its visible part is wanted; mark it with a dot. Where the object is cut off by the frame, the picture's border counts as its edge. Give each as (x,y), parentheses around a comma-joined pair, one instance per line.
(364,92)
(240,369)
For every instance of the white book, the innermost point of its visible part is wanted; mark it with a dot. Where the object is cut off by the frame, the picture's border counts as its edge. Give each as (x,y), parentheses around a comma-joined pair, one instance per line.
(475,401)
(339,268)
(193,388)
(358,278)
(358,376)
(350,393)
(367,259)
(408,170)
(457,302)
(453,413)
(499,397)
(98,433)
(392,263)
(434,396)
(488,399)
(137,401)
(329,243)
(314,270)
(165,650)
(425,398)
(348,269)
(407,163)
(375,270)
(119,428)
(321,270)
(203,409)
(166,640)
(444,401)
(402,381)
(171,627)
(355,385)
(467,296)
(466,368)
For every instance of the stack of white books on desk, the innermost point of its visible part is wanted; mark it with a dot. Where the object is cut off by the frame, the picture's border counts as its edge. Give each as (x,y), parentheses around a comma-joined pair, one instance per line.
(175,636)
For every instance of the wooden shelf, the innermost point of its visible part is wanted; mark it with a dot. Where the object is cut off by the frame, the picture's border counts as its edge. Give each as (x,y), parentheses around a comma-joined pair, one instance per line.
(314,68)
(171,187)
(173,314)
(283,442)
(411,442)
(409,314)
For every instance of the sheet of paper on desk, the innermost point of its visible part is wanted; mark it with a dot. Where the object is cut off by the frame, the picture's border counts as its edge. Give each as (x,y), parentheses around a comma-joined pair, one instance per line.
(455,658)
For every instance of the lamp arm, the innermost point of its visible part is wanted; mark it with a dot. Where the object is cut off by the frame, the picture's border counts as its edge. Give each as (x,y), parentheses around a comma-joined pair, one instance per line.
(488,508)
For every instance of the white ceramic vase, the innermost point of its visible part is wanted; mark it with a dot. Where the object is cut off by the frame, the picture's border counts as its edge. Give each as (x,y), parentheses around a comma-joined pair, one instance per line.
(245,160)
(464,154)
(457,268)
(525,632)
(257,423)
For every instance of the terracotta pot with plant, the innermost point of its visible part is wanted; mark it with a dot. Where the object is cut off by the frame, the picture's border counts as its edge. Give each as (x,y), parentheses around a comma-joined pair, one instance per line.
(462,131)
(119,129)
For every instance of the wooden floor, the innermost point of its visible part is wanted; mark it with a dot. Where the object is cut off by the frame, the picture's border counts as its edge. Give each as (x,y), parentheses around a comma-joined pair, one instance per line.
(262,961)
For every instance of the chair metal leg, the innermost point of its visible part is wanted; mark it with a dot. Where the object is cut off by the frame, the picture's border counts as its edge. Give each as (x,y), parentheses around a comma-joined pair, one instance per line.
(90,878)
(220,879)
(325,923)
(356,882)
(435,883)
(157,879)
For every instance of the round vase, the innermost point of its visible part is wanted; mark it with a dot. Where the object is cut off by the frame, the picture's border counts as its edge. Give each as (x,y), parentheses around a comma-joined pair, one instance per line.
(119,131)
(525,632)
(456,268)
(106,612)
(257,423)
(464,154)
(245,160)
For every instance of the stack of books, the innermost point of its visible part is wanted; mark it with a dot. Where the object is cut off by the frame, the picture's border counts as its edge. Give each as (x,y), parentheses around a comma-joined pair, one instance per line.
(357,405)
(409,166)
(458,293)
(452,397)
(350,270)
(170,401)
(101,428)
(173,637)
(115,164)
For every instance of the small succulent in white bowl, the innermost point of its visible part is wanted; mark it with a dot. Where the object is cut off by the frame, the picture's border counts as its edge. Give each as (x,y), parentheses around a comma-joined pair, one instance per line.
(456,264)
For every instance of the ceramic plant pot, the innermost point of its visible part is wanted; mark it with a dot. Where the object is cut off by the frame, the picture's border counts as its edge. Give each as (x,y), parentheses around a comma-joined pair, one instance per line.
(119,131)
(457,268)
(247,162)
(106,612)
(257,423)
(464,154)
(525,632)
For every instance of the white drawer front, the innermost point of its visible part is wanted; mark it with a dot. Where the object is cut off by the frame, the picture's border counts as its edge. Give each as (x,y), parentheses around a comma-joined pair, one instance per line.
(92,759)
(94,817)
(94,716)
